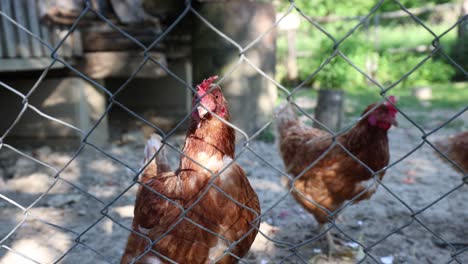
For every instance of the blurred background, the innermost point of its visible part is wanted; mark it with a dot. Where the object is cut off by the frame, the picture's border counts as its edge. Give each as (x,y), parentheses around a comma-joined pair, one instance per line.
(153,50)
(122,69)
(388,45)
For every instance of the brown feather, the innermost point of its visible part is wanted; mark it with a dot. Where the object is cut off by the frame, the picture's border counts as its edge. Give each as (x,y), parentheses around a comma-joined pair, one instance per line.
(336,177)
(208,141)
(456,148)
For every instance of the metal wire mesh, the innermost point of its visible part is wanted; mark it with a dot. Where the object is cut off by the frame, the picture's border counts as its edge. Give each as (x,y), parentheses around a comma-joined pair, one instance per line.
(383,90)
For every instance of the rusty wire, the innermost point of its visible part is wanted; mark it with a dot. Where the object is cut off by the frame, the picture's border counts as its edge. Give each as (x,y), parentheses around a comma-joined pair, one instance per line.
(147,58)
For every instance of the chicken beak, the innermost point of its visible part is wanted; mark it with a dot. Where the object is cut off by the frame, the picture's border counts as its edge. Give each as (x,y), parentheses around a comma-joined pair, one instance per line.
(201,111)
(394,122)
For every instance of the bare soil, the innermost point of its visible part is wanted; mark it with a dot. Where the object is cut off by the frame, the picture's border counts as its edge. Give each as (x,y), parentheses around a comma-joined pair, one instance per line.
(404,222)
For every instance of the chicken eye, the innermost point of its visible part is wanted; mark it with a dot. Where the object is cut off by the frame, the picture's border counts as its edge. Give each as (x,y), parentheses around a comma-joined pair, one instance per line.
(216,97)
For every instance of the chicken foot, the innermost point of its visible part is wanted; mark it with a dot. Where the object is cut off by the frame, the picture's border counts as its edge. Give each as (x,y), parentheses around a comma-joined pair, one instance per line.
(335,249)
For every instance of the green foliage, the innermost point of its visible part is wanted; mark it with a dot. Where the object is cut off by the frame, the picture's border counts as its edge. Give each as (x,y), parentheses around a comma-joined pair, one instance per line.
(391,6)
(387,49)
(394,36)
(335,75)
(353,7)
(267,135)
(326,7)
(338,73)
(387,53)
(394,66)
(359,48)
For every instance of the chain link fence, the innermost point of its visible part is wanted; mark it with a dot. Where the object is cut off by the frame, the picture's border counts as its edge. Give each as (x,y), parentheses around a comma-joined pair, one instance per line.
(104,206)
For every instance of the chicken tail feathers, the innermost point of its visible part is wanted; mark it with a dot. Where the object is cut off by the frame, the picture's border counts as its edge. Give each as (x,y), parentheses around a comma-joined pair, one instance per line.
(159,164)
(445,145)
(441,145)
(285,117)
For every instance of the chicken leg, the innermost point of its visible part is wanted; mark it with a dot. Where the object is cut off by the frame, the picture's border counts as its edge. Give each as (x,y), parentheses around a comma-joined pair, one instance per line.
(333,248)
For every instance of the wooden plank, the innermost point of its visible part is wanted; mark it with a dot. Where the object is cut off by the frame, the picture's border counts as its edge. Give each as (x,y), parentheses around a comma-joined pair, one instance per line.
(163,9)
(103,41)
(34,26)
(23,44)
(7,29)
(45,35)
(100,65)
(30,64)
(129,11)
(77,45)
(96,42)
(66,48)
(102,6)
(55,37)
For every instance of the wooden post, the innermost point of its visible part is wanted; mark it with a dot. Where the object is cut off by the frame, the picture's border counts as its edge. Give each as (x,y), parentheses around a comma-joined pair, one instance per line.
(71,99)
(292,55)
(290,24)
(91,104)
(462,44)
(251,96)
(329,109)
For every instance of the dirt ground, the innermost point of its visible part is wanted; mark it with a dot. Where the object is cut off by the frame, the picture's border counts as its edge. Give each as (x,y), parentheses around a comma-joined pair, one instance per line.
(418,181)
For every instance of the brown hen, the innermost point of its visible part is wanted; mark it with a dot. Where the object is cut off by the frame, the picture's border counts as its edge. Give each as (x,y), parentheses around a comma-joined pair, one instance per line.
(455,147)
(161,226)
(336,177)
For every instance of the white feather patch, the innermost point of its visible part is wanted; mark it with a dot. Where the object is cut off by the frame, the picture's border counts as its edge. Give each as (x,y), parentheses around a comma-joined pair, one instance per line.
(193,182)
(226,162)
(142,230)
(148,260)
(217,251)
(152,260)
(209,161)
(152,146)
(371,183)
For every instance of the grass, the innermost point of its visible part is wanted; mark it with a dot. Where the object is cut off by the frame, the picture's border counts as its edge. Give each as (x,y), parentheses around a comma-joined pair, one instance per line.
(444,96)
(449,95)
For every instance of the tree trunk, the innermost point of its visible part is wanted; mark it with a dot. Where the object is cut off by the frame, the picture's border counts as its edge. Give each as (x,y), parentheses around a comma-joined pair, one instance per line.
(329,109)
(461,51)
(250,95)
(463,26)
(292,55)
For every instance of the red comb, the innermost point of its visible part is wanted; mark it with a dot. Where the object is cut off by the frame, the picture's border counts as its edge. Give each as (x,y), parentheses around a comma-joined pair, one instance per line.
(205,85)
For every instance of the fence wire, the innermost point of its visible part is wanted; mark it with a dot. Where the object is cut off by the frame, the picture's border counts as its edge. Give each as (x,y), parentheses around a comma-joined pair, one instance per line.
(383,90)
